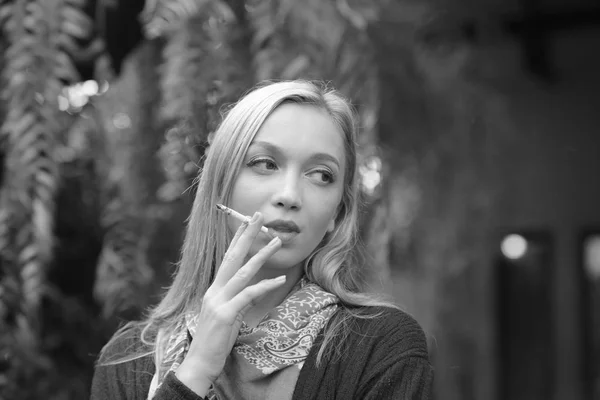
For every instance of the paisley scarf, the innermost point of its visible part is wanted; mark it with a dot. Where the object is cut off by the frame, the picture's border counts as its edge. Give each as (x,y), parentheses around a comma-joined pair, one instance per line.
(265,361)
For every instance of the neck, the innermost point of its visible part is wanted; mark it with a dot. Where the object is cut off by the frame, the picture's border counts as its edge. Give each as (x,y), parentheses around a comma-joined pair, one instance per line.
(275,297)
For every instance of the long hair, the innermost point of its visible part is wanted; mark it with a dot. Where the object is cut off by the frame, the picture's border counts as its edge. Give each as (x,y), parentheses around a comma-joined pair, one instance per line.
(332,265)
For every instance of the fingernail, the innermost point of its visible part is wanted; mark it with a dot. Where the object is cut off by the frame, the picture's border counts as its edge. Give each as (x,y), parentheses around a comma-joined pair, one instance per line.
(279,279)
(274,242)
(255,217)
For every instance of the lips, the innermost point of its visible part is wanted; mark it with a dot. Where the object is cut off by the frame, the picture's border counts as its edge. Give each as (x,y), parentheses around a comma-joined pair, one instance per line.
(284,229)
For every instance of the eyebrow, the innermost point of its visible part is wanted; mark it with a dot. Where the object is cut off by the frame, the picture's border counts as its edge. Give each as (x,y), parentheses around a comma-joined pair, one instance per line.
(277,150)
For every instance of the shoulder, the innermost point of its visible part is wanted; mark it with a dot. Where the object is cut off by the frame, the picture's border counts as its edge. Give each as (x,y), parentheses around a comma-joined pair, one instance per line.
(124,368)
(124,344)
(389,329)
(389,316)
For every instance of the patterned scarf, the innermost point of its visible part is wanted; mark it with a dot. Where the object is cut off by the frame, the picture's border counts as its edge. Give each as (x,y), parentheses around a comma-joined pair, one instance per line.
(265,361)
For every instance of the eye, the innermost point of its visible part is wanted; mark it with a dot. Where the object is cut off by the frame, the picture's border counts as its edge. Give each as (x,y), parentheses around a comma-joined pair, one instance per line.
(322,176)
(262,164)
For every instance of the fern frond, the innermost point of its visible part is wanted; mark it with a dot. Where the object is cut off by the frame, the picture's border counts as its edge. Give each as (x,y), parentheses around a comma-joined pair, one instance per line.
(34,71)
(179,155)
(5,12)
(161,16)
(123,271)
(314,40)
(185,82)
(10,279)
(206,65)
(75,22)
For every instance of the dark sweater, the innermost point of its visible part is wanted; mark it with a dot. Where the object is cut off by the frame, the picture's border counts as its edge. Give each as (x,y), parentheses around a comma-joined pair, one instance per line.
(383,358)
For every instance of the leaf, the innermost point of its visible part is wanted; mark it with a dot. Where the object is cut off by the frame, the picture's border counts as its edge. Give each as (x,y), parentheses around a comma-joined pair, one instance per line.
(162,15)
(359,17)
(295,68)
(77,3)
(21,46)
(20,61)
(43,208)
(78,17)
(68,43)
(64,68)
(22,124)
(73,28)
(122,270)
(5,13)
(33,24)
(32,276)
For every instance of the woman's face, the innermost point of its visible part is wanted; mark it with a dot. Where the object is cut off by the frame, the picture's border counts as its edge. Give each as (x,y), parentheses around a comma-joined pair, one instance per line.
(293,173)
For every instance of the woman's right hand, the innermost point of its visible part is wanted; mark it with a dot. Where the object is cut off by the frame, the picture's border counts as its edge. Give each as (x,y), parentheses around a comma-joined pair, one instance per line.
(223,307)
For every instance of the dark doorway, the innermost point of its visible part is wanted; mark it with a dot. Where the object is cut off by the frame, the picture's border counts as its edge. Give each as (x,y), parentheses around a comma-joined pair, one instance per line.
(524,271)
(589,253)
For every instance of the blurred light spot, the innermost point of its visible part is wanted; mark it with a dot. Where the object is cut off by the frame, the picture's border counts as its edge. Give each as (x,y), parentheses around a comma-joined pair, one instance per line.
(39,98)
(121,121)
(374,163)
(591,256)
(78,99)
(370,174)
(89,88)
(63,103)
(104,86)
(78,95)
(370,180)
(514,246)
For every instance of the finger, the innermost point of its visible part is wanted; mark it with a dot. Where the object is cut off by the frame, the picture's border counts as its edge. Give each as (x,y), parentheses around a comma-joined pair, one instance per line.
(248,297)
(241,229)
(245,274)
(236,253)
(238,233)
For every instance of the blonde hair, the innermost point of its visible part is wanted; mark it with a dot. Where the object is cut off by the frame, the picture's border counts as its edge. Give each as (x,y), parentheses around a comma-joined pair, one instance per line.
(333,265)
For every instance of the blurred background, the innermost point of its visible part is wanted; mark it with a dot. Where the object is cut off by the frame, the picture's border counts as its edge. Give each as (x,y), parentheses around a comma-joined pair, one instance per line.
(479,163)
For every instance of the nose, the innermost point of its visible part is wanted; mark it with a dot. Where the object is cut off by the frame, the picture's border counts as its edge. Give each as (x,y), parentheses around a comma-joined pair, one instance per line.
(288,193)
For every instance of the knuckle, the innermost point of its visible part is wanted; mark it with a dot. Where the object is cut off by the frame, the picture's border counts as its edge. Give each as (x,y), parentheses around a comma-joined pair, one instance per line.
(243,274)
(253,293)
(229,255)
(230,259)
(209,303)
(247,298)
(213,302)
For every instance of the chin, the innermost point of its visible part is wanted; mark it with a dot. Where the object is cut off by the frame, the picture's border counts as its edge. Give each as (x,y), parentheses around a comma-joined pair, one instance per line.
(283,261)
(288,255)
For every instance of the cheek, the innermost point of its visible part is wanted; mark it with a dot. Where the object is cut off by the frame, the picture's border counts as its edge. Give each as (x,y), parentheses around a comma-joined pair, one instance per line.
(242,185)
(246,195)
(322,220)
(321,227)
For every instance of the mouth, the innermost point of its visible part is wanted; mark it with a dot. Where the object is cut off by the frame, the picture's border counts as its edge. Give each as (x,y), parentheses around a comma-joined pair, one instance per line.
(284,230)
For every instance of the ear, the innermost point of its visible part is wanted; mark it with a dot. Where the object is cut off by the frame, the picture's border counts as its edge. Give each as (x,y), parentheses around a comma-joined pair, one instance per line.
(331,226)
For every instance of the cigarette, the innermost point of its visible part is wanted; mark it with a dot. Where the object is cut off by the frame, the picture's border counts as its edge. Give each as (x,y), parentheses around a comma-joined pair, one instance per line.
(240,217)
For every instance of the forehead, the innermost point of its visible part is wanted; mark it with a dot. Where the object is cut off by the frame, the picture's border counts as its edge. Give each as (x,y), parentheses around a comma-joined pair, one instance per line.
(302,129)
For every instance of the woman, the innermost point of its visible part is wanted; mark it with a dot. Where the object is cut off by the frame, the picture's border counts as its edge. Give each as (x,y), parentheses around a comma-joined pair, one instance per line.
(280,315)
